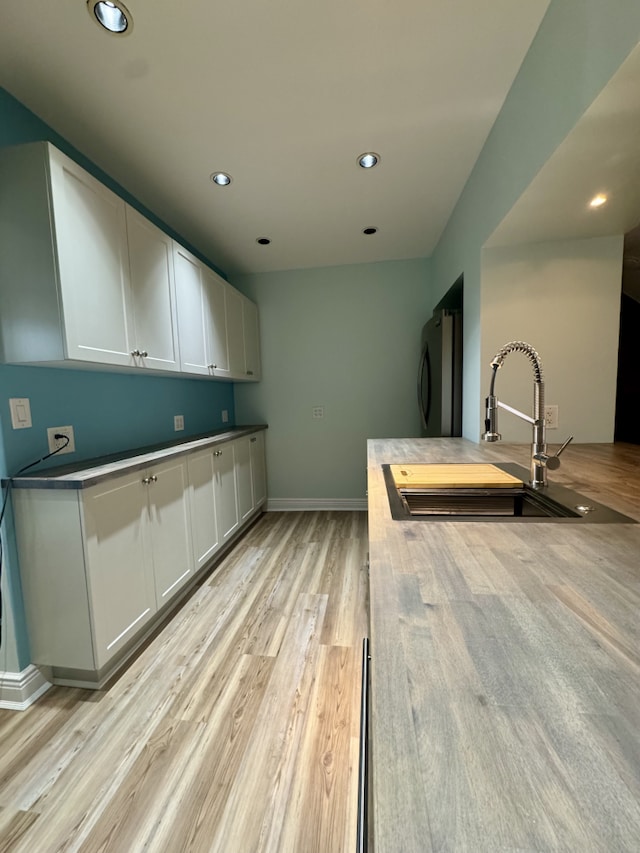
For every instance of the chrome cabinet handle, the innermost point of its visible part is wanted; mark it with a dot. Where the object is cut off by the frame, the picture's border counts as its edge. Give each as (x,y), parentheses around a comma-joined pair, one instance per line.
(146,480)
(217,453)
(249,372)
(253,439)
(135,353)
(153,478)
(212,366)
(144,353)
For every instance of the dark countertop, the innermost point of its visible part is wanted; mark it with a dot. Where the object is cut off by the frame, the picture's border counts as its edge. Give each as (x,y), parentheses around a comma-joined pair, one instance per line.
(505,667)
(81,475)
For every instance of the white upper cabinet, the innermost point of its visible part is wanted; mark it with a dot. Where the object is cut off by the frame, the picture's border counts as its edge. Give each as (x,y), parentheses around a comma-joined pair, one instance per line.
(215,321)
(251,337)
(235,334)
(189,300)
(217,325)
(153,296)
(243,336)
(202,329)
(88,278)
(89,226)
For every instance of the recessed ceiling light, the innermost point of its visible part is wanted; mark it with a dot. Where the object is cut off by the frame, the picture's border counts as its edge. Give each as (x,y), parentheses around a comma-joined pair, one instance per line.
(221,179)
(368,160)
(113,16)
(598,200)
(264,241)
(369,230)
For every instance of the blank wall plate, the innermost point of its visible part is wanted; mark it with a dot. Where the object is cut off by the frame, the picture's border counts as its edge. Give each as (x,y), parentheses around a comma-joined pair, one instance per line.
(55,443)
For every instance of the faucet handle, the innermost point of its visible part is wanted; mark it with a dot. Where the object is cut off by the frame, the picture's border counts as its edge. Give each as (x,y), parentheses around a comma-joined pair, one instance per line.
(559,451)
(552,463)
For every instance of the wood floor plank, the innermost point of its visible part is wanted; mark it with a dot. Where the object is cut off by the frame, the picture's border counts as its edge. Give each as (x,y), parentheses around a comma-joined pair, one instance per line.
(13,827)
(183,773)
(317,818)
(217,734)
(264,777)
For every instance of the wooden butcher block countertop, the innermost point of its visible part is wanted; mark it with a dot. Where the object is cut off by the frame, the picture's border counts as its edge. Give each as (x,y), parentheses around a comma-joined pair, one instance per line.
(505,666)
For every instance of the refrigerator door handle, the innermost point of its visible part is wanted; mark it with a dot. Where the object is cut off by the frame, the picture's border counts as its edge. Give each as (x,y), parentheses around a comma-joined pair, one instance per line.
(425,405)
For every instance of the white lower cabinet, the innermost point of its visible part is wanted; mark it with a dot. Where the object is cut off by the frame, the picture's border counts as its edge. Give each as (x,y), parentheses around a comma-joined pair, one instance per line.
(97,563)
(119,569)
(214,499)
(225,490)
(258,469)
(251,478)
(170,528)
(243,477)
(202,496)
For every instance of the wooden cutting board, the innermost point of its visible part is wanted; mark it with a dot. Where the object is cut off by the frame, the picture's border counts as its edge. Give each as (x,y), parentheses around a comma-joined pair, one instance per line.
(453,475)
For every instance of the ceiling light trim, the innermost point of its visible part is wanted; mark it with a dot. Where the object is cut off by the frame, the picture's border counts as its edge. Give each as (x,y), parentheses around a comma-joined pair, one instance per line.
(368,160)
(221,179)
(111,16)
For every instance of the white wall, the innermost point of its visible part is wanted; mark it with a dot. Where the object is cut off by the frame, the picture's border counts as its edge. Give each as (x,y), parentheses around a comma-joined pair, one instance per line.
(564,299)
(346,338)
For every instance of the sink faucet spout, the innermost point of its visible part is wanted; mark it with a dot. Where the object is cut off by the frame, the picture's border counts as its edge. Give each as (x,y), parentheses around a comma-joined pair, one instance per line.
(539,457)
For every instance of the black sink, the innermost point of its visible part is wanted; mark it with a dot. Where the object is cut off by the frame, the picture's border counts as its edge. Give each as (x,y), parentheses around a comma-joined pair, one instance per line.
(521,504)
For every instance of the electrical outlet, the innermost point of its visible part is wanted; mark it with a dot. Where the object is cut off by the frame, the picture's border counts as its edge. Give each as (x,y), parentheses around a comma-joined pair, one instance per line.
(317,412)
(178,422)
(55,443)
(551,417)
(225,416)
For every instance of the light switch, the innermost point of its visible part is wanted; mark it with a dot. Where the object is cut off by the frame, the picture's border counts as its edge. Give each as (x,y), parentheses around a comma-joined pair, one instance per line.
(20,412)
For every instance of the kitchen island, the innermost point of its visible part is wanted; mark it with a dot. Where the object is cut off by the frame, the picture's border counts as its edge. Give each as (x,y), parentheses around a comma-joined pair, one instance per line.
(505,666)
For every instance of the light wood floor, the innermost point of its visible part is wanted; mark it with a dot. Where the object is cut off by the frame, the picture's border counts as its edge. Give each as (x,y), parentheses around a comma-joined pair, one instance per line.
(236,729)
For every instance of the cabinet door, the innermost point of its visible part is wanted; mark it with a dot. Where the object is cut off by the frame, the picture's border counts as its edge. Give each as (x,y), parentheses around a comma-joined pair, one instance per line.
(91,237)
(243,477)
(258,469)
(214,301)
(251,335)
(225,491)
(191,322)
(170,534)
(155,332)
(204,526)
(119,570)
(235,333)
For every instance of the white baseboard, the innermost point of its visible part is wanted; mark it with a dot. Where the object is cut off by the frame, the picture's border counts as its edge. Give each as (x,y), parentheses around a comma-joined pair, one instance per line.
(302,504)
(18,690)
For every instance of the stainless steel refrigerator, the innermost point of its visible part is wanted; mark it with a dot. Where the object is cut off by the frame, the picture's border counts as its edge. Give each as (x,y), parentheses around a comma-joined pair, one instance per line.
(440,375)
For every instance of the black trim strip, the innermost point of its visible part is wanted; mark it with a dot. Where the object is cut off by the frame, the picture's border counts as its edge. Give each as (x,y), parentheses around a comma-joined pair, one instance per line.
(363,770)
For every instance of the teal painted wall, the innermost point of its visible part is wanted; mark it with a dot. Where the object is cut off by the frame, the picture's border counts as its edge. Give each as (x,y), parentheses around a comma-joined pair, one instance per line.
(579,46)
(346,338)
(110,412)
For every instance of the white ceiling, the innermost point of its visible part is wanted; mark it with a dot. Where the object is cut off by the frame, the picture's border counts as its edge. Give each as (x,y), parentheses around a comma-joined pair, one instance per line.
(284,96)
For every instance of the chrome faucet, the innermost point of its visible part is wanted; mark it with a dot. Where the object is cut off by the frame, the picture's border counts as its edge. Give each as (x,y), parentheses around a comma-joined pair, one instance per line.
(540,459)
